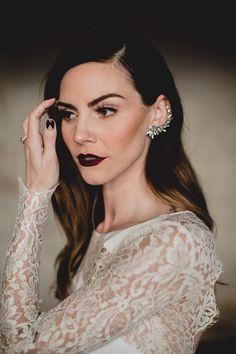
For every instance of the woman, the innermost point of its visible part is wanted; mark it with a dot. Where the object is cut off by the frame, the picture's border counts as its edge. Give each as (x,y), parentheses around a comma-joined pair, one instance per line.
(137,274)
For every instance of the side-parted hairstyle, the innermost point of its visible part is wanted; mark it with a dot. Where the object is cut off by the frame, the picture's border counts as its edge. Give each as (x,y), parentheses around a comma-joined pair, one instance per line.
(79,206)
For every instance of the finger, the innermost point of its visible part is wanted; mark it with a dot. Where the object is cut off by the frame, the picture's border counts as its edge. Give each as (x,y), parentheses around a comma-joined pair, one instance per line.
(34,120)
(25,125)
(25,130)
(49,138)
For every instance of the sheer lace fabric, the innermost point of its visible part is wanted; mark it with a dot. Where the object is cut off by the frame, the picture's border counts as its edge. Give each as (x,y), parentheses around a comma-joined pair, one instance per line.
(154,288)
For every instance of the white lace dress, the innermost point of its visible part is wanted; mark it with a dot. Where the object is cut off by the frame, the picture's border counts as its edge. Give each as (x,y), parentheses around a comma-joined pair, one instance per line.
(148,288)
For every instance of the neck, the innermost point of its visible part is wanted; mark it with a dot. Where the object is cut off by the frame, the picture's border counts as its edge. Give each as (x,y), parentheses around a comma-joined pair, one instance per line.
(128,202)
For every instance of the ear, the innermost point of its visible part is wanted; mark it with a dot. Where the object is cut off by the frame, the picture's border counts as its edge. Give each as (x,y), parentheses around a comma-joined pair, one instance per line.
(159,111)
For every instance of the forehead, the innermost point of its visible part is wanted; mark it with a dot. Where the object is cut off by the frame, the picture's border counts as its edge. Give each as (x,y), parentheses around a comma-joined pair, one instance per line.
(89,79)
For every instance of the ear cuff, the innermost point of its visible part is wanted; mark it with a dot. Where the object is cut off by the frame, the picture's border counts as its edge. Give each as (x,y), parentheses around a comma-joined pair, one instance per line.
(153,130)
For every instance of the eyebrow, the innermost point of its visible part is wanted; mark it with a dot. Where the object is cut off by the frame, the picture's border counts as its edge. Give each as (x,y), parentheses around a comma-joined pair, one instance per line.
(90,104)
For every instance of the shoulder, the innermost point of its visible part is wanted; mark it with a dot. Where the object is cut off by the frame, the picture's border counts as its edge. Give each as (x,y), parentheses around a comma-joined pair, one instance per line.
(178,231)
(186,230)
(180,240)
(183,224)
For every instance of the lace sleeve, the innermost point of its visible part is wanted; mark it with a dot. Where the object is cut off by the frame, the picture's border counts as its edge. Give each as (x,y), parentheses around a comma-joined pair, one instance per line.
(167,270)
(20,292)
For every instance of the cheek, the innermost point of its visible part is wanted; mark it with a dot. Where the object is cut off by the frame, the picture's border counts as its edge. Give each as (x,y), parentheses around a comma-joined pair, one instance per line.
(130,133)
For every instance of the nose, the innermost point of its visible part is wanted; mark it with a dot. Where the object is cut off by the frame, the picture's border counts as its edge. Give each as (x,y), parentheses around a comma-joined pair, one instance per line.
(83,131)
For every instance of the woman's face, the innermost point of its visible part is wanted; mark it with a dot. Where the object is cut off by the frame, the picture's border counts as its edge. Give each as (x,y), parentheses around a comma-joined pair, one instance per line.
(102,114)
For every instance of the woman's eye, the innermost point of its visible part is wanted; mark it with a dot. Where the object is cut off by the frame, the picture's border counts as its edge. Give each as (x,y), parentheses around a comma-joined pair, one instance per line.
(66,115)
(106,111)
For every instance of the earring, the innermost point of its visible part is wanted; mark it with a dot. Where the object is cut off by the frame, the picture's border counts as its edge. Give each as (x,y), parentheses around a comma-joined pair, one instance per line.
(153,130)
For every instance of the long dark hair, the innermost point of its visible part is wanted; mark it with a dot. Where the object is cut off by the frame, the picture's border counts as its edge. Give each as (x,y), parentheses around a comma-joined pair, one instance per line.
(169,173)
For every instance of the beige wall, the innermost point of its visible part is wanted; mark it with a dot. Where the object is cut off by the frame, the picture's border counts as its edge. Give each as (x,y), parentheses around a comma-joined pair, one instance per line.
(207,86)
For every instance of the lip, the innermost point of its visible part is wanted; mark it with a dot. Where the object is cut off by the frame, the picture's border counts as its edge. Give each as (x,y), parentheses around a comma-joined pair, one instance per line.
(90,162)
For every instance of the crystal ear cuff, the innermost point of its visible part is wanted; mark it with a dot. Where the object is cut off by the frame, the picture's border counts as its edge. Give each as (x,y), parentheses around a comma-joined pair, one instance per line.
(153,130)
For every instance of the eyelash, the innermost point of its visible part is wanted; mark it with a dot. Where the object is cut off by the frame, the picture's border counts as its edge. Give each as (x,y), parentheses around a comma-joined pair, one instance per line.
(106,107)
(63,114)
(66,115)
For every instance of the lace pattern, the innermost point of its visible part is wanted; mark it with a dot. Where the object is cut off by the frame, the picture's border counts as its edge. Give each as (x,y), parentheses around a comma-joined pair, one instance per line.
(155,289)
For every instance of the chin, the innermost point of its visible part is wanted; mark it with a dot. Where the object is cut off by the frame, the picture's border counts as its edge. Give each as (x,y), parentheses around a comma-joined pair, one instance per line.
(92,179)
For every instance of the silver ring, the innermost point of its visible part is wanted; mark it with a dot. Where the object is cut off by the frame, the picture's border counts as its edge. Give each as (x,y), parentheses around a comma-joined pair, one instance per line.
(23,139)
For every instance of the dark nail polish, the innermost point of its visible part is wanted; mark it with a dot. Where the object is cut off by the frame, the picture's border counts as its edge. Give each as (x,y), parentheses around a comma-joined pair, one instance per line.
(50,123)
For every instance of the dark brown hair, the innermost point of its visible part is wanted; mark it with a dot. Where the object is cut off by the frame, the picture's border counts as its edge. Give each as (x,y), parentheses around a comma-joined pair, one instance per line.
(169,173)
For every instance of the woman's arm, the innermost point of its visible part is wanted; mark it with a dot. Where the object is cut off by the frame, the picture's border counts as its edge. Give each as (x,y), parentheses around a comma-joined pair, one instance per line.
(168,267)
(20,287)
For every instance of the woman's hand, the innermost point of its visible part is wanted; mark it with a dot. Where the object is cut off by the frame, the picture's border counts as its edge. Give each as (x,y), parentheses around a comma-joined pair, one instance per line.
(41,162)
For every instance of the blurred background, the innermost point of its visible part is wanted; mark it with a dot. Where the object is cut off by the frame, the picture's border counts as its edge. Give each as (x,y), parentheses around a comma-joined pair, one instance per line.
(198,42)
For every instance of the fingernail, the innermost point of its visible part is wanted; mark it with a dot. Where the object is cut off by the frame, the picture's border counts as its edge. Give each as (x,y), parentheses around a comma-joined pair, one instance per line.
(50,124)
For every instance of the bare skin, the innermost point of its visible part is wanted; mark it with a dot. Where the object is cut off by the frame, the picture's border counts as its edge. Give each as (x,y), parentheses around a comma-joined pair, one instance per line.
(40,151)
(113,128)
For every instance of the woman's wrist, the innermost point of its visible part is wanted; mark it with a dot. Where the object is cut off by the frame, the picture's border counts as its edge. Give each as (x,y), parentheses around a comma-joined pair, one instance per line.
(37,190)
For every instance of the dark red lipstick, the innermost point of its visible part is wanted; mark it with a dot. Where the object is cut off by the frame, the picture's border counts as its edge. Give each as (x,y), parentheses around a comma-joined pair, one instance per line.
(89,159)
